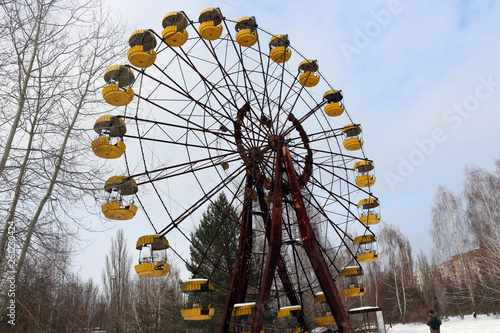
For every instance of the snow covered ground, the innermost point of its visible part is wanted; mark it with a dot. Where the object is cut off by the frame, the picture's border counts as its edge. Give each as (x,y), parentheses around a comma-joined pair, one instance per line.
(483,324)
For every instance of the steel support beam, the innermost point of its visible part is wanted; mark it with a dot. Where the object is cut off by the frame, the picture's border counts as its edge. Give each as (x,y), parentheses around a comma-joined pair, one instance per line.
(281,267)
(274,247)
(313,251)
(239,280)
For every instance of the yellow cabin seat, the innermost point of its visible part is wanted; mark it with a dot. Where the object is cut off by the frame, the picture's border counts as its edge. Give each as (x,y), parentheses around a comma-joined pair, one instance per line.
(334,109)
(151,269)
(195,287)
(351,271)
(140,58)
(365,181)
(246,37)
(117,97)
(210,31)
(113,211)
(326,320)
(198,313)
(352,144)
(370,219)
(353,292)
(309,79)
(103,149)
(280,54)
(173,37)
(367,257)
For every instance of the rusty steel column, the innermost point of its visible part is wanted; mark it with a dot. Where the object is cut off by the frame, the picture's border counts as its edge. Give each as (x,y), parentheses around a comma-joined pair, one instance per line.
(274,247)
(281,267)
(239,280)
(315,256)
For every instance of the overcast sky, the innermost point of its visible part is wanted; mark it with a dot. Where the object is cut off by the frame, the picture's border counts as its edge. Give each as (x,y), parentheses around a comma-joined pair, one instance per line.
(421,77)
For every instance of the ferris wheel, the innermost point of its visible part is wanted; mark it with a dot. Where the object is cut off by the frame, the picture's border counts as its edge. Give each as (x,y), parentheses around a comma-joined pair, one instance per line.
(214,105)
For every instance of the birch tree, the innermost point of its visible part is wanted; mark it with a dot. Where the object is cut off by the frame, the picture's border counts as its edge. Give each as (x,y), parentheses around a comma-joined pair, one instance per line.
(398,261)
(482,194)
(53,55)
(117,282)
(451,237)
(157,302)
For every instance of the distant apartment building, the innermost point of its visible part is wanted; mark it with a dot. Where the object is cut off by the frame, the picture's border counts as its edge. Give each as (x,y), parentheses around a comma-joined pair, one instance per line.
(473,262)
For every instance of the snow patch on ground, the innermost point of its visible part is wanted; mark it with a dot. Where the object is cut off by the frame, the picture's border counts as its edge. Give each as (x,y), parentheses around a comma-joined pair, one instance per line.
(483,324)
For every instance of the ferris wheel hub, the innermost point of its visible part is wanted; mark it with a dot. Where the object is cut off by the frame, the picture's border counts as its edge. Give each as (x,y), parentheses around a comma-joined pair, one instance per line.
(276,141)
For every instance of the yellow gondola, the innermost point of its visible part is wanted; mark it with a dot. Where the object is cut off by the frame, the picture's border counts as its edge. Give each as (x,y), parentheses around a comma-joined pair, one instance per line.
(243,309)
(118,92)
(325,317)
(174,29)
(354,290)
(366,252)
(368,256)
(365,239)
(152,264)
(118,206)
(280,48)
(308,75)
(289,315)
(334,108)
(369,211)
(353,287)
(110,129)
(197,312)
(210,24)
(352,137)
(141,53)
(351,271)
(365,176)
(287,311)
(246,31)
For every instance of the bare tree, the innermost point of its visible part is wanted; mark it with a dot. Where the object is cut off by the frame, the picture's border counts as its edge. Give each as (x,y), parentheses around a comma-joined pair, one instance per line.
(451,236)
(156,303)
(117,281)
(399,266)
(430,282)
(482,193)
(50,82)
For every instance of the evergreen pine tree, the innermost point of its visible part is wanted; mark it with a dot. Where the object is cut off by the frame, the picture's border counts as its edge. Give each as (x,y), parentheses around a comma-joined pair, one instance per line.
(214,238)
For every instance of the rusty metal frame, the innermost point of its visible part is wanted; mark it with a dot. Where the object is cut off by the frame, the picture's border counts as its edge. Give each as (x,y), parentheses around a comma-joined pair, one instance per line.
(313,251)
